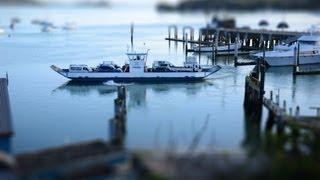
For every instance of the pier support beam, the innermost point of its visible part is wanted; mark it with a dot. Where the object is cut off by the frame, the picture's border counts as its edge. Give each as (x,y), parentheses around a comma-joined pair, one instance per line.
(175,31)
(191,32)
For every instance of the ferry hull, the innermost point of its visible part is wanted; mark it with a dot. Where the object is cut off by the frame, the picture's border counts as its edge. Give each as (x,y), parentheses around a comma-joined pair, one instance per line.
(140,80)
(137,77)
(290,60)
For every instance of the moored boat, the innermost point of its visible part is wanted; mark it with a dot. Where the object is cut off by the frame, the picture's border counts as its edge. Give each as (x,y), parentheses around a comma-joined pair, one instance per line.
(284,55)
(137,71)
(220,49)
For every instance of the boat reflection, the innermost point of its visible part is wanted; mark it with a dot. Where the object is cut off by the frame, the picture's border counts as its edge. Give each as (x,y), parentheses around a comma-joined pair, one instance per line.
(137,93)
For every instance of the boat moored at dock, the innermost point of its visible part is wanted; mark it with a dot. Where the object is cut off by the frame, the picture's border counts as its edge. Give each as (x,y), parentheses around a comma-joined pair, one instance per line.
(221,48)
(137,71)
(284,55)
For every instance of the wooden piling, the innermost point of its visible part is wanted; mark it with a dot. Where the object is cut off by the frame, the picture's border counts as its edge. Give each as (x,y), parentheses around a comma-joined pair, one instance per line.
(229,42)
(236,51)
(295,61)
(131,32)
(118,123)
(216,44)
(5,110)
(297,111)
(186,49)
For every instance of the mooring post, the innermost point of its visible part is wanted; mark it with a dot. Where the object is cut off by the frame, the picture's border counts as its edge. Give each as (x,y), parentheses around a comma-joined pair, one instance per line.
(236,50)
(285,106)
(262,79)
(122,93)
(295,61)
(216,43)
(278,98)
(297,111)
(245,39)
(175,29)
(186,47)
(229,41)
(192,34)
(213,52)
(118,123)
(131,32)
(269,41)
(258,67)
(5,110)
(261,40)
(298,57)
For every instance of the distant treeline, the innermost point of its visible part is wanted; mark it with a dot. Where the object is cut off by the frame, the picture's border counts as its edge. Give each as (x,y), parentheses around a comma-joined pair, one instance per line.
(19,2)
(81,3)
(203,5)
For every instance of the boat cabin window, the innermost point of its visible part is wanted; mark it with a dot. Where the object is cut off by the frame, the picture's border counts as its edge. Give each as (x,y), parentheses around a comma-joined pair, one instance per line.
(76,68)
(73,68)
(136,57)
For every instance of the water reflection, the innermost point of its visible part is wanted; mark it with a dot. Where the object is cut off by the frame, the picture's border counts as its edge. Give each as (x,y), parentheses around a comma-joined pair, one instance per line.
(80,89)
(137,93)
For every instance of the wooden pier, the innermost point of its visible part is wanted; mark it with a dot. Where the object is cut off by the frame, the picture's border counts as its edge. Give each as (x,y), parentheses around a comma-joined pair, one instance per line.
(254,100)
(251,39)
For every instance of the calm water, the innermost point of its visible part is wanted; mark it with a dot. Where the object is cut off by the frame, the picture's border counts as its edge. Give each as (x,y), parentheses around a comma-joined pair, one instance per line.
(48,112)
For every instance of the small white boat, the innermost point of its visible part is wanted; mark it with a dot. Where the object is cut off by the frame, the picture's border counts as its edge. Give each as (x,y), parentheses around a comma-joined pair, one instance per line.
(284,55)
(220,49)
(137,71)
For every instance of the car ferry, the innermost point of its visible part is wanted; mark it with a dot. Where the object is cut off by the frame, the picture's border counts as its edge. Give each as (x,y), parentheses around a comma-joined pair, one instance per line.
(137,71)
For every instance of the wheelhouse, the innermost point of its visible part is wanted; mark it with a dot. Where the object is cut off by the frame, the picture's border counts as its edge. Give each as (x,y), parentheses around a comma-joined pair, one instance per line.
(78,68)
